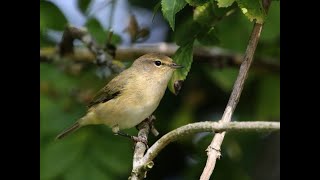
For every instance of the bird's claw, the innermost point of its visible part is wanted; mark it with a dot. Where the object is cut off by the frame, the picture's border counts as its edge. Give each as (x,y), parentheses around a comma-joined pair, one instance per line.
(140,139)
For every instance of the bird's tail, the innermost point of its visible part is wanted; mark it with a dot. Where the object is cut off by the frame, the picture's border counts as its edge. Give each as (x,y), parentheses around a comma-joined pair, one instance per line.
(69,130)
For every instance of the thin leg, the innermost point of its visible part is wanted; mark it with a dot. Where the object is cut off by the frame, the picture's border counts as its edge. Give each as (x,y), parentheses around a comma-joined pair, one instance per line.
(123,134)
(136,139)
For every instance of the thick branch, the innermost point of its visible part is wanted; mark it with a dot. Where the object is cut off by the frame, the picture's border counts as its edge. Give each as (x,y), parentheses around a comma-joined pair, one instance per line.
(213,150)
(139,150)
(154,150)
(216,56)
(144,128)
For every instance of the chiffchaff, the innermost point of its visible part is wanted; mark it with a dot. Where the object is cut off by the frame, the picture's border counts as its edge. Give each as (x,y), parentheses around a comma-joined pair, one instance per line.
(131,96)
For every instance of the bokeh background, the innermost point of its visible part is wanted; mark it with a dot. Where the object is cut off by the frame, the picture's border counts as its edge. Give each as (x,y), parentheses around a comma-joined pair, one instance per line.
(95,153)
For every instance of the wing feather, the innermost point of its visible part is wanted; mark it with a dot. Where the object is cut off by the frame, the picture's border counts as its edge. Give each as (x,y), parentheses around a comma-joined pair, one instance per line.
(112,90)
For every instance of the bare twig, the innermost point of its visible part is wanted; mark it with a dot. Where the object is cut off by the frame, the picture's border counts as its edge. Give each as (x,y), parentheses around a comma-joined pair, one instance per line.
(213,150)
(144,128)
(66,48)
(142,164)
(139,150)
(218,57)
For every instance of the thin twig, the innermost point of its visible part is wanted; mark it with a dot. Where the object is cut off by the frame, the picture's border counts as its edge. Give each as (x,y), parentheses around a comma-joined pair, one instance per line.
(101,58)
(142,164)
(218,57)
(213,150)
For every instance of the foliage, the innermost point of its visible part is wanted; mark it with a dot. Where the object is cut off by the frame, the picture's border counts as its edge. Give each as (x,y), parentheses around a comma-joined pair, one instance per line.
(170,9)
(94,152)
(205,17)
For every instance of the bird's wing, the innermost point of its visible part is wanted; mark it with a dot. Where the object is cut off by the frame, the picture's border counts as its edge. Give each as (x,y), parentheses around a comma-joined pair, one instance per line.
(111,90)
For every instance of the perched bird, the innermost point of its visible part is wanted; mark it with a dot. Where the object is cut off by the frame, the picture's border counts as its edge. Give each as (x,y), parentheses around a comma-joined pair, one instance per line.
(130,97)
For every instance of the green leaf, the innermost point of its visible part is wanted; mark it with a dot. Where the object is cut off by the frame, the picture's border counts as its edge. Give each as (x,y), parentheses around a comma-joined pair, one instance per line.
(184,57)
(170,9)
(196,2)
(115,39)
(83,5)
(51,17)
(96,30)
(253,9)
(225,3)
(209,38)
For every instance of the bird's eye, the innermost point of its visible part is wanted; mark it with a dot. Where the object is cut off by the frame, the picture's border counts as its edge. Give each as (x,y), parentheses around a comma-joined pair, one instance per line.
(157,63)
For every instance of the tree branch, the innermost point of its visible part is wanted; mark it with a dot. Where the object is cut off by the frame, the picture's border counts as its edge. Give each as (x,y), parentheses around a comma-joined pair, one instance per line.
(213,150)
(139,150)
(218,57)
(100,57)
(142,164)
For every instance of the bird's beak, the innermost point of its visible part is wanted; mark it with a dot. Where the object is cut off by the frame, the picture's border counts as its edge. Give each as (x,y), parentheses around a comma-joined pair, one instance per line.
(176,66)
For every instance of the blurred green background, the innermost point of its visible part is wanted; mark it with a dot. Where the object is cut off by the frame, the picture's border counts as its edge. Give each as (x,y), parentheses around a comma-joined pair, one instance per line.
(95,153)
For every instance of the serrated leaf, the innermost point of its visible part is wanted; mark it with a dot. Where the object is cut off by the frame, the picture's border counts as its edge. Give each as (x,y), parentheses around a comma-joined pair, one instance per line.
(196,2)
(253,9)
(96,30)
(51,17)
(170,9)
(209,38)
(184,57)
(83,5)
(225,3)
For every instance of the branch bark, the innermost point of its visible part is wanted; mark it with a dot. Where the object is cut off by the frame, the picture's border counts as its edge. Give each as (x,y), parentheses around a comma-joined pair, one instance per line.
(100,56)
(139,149)
(141,164)
(218,57)
(213,150)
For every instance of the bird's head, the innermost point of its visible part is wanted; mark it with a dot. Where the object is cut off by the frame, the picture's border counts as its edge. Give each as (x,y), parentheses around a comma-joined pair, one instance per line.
(156,64)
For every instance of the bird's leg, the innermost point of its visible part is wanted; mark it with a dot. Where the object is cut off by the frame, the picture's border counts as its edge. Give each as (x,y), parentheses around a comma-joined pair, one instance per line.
(116,131)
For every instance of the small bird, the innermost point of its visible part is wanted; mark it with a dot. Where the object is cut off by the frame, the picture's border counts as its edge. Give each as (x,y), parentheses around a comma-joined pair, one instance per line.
(131,96)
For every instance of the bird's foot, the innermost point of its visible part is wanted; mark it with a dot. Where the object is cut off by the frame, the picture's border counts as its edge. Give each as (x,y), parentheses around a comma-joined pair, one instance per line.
(134,138)
(140,139)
